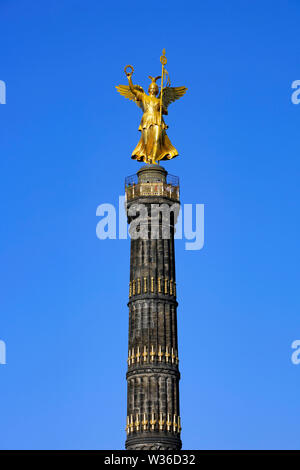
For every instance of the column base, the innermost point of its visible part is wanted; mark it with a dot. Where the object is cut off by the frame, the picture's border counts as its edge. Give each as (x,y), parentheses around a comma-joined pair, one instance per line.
(153,441)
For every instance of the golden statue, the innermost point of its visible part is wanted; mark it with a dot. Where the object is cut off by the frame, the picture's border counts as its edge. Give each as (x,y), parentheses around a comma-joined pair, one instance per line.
(154,144)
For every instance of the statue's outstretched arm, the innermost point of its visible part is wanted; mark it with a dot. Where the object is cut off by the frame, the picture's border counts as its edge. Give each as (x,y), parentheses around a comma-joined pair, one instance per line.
(131,86)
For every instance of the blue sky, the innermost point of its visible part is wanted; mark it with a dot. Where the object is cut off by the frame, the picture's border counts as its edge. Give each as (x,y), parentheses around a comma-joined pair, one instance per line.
(66,138)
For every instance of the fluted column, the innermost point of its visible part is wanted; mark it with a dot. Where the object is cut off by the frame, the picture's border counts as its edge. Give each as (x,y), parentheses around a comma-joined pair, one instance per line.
(153,415)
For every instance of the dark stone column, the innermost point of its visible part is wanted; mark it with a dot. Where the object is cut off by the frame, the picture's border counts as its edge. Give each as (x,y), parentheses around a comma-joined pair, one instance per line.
(153,415)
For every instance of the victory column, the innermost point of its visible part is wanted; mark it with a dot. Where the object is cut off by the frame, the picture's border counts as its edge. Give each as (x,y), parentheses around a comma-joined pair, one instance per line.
(153,415)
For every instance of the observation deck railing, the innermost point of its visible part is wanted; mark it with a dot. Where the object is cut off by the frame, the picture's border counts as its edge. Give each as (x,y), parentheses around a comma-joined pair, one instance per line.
(169,189)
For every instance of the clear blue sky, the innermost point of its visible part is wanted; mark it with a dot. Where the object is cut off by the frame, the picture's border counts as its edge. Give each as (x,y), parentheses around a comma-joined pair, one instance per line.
(66,138)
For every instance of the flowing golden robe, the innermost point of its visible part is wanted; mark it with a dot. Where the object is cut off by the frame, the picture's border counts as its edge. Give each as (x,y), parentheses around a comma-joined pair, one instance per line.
(154,144)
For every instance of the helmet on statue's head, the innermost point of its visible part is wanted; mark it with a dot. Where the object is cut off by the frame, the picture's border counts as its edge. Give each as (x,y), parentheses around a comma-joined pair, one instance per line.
(153,87)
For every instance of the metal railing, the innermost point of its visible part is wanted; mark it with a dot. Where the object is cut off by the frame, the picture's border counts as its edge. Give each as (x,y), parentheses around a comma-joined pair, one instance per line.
(152,189)
(134,189)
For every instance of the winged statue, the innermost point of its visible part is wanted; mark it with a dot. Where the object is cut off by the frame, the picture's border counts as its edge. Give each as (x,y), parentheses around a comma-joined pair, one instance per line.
(154,144)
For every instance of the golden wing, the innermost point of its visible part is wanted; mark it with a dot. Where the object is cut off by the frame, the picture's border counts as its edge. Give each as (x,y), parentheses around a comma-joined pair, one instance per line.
(124,90)
(171,94)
